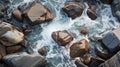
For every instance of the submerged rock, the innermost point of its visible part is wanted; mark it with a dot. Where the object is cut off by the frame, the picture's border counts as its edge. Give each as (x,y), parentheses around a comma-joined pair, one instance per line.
(84,31)
(24,60)
(42,51)
(79,48)
(73,9)
(17,14)
(9,35)
(62,37)
(2,51)
(37,13)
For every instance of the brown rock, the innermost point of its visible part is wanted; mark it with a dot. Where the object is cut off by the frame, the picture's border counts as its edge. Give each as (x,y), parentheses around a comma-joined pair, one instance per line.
(79,48)
(62,37)
(13,49)
(73,9)
(106,1)
(38,13)
(42,51)
(9,35)
(87,59)
(84,31)
(17,14)
(79,63)
(2,51)
(91,14)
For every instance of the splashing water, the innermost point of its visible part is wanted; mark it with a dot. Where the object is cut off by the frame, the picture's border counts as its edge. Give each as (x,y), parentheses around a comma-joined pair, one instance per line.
(58,56)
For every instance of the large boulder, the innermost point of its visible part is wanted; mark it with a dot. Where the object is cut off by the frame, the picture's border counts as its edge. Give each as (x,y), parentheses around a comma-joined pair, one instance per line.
(116,8)
(37,13)
(79,48)
(112,40)
(9,35)
(62,37)
(113,62)
(24,60)
(73,9)
(2,51)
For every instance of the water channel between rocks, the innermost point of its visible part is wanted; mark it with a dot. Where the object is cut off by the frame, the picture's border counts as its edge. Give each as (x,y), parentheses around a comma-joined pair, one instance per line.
(58,56)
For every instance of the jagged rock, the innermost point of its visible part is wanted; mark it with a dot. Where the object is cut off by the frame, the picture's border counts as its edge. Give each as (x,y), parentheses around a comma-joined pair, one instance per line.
(9,35)
(79,48)
(42,51)
(73,9)
(112,40)
(37,13)
(25,60)
(84,31)
(91,14)
(113,62)
(62,37)
(13,49)
(116,8)
(2,51)
(79,63)
(17,14)
(106,1)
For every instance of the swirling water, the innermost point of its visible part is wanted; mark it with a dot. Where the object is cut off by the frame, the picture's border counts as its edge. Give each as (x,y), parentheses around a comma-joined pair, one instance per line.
(58,56)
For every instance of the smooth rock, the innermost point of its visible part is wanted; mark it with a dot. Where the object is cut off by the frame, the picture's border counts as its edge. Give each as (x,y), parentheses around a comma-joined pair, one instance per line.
(91,14)
(17,14)
(37,14)
(84,31)
(25,60)
(79,48)
(9,35)
(73,9)
(42,51)
(62,37)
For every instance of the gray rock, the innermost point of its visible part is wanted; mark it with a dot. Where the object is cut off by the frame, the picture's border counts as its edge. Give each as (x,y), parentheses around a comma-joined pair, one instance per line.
(113,62)
(112,40)
(24,60)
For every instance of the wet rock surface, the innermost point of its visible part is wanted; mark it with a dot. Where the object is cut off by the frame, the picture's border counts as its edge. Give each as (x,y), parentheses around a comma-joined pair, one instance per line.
(25,60)
(62,37)
(73,9)
(79,48)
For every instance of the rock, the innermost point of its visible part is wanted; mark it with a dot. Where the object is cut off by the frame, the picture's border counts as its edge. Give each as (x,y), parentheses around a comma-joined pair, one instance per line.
(116,8)
(96,61)
(13,49)
(17,14)
(73,9)
(1,14)
(9,35)
(25,60)
(91,14)
(38,13)
(79,48)
(86,59)
(62,37)
(112,40)
(113,62)
(84,31)
(42,51)
(101,51)
(106,1)
(2,51)
(80,64)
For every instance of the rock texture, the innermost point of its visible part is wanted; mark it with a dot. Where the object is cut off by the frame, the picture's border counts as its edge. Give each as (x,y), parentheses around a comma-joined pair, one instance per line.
(9,35)
(37,13)
(79,48)
(25,60)
(73,9)
(62,37)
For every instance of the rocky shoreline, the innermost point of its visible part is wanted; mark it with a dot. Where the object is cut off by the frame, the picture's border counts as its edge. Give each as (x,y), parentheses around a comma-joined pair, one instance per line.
(14,45)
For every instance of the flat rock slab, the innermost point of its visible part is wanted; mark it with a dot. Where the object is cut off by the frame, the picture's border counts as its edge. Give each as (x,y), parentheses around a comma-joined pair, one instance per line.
(113,62)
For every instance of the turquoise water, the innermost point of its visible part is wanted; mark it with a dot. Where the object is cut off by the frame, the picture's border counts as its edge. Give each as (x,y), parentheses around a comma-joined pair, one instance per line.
(58,56)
